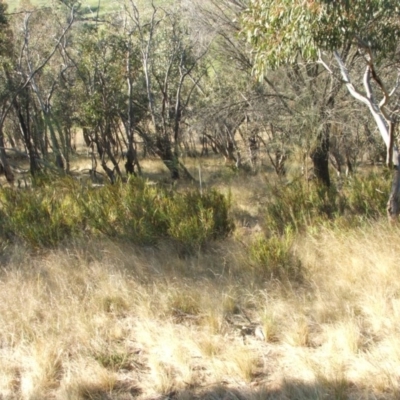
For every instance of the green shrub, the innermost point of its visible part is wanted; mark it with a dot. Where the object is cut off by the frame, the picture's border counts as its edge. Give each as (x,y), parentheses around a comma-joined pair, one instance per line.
(367,196)
(47,214)
(123,210)
(273,258)
(297,205)
(196,218)
(40,217)
(302,204)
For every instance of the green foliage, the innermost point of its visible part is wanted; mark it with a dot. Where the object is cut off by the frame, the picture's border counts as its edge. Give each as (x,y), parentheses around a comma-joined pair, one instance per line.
(295,207)
(129,211)
(145,214)
(46,215)
(113,360)
(279,31)
(40,217)
(367,196)
(271,27)
(273,257)
(100,91)
(207,217)
(299,205)
(372,23)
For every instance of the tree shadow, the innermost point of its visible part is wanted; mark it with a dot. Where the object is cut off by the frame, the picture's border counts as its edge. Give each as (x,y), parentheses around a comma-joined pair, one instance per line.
(288,390)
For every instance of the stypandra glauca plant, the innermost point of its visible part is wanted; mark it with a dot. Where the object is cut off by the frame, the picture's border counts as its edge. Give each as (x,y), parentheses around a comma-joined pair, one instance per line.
(45,215)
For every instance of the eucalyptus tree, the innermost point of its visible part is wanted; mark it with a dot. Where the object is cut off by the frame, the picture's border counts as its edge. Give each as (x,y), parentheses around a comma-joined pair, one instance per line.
(227,117)
(347,31)
(133,112)
(224,106)
(31,80)
(242,117)
(41,128)
(5,52)
(99,89)
(172,70)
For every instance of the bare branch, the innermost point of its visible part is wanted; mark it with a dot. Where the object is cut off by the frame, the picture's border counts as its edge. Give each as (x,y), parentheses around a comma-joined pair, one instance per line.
(346,79)
(323,63)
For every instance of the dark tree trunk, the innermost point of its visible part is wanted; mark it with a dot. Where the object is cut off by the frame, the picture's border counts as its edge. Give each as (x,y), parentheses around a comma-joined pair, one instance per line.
(130,162)
(25,128)
(392,207)
(172,164)
(3,160)
(320,158)
(164,151)
(320,154)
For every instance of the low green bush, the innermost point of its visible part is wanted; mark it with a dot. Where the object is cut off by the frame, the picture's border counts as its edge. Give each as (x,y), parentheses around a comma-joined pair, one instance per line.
(47,214)
(195,219)
(302,204)
(297,205)
(145,213)
(272,257)
(368,196)
(40,217)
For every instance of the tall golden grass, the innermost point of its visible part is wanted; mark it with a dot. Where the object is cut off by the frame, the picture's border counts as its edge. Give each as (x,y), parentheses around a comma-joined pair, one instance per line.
(107,320)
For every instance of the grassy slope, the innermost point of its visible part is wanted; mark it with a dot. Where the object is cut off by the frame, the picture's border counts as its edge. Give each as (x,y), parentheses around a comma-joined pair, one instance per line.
(14,4)
(113,321)
(87,6)
(105,5)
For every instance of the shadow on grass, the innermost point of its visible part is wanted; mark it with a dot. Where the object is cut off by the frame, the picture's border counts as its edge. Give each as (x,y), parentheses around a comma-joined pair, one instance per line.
(288,390)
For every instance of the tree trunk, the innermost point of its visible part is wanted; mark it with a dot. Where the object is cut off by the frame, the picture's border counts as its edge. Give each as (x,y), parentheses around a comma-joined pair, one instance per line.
(132,161)
(3,160)
(172,164)
(320,154)
(131,154)
(164,151)
(393,203)
(384,124)
(26,133)
(320,158)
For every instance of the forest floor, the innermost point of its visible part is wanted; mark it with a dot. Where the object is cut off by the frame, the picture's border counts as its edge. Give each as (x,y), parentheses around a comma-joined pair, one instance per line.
(110,320)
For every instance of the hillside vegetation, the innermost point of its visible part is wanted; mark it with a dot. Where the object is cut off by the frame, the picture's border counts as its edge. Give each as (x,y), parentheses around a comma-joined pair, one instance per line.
(194,200)
(309,311)
(88,7)
(93,5)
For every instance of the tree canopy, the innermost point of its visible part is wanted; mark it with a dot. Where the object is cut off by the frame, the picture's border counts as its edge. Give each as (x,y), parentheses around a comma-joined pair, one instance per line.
(280,31)
(3,25)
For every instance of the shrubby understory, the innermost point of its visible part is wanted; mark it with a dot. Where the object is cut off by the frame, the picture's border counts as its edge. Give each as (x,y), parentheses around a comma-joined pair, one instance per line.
(135,211)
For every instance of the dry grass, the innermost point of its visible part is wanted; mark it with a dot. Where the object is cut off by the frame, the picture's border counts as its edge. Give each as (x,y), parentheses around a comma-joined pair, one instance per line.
(103,320)
(109,321)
